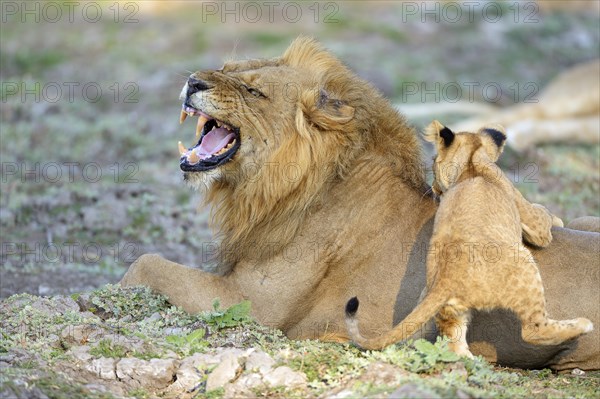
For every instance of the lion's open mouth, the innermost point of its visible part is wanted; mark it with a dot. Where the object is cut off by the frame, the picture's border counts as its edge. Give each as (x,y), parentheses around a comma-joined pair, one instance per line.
(217,142)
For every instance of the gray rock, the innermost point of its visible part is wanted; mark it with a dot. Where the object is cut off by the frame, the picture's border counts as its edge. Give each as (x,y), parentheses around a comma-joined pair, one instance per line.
(152,318)
(103,368)
(191,372)
(243,386)
(411,390)
(224,373)
(259,361)
(285,376)
(149,374)
(82,333)
(81,353)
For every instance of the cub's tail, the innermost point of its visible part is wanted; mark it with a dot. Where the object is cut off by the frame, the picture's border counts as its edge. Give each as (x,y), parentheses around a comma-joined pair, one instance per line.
(424,311)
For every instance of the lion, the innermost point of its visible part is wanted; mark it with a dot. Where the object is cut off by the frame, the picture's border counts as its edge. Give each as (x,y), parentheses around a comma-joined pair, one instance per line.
(479,209)
(323,196)
(568,110)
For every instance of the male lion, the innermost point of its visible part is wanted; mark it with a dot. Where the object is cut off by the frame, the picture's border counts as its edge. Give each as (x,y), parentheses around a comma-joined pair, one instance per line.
(322,196)
(479,207)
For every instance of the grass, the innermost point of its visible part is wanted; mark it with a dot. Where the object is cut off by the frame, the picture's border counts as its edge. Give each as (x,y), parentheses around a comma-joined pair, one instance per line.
(429,368)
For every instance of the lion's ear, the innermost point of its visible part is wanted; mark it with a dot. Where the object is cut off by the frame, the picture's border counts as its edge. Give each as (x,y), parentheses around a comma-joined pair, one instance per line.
(493,138)
(326,112)
(438,134)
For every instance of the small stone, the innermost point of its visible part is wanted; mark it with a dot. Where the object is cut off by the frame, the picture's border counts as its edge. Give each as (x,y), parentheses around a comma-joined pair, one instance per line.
(82,333)
(343,395)
(382,374)
(460,394)
(412,391)
(81,353)
(103,368)
(285,376)
(191,372)
(243,386)
(152,318)
(260,361)
(224,373)
(577,371)
(150,374)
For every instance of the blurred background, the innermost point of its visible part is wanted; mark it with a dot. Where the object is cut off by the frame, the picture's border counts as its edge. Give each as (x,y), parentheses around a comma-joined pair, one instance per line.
(89,110)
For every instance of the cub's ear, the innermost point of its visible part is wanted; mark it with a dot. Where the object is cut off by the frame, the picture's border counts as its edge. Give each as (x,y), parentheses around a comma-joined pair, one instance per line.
(493,139)
(438,134)
(326,112)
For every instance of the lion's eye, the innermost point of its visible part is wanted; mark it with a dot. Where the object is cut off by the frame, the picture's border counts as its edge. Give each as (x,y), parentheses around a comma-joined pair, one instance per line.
(254,92)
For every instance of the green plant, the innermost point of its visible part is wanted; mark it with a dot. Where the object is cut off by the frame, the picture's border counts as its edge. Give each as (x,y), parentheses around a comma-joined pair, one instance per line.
(231,317)
(190,343)
(107,348)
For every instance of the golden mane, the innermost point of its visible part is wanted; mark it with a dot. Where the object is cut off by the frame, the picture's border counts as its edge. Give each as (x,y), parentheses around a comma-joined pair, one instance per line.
(268,209)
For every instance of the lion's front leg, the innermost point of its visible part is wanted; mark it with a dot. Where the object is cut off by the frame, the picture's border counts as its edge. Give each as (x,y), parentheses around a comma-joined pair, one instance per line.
(191,289)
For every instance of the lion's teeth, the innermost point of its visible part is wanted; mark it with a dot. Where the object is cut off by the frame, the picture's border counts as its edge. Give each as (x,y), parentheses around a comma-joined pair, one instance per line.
(227,127)
(200,125)
(182,116)
(182,149)
(219,123)
(193,157)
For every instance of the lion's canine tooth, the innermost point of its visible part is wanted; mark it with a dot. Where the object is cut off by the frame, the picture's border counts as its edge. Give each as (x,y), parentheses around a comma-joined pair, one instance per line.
(219,123)
(182,149)
(200,125)
(182,116)
(227,127)
(193,157)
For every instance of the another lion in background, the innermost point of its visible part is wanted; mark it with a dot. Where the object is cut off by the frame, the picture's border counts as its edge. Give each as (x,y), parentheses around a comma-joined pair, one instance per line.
(319,194)
(479,209)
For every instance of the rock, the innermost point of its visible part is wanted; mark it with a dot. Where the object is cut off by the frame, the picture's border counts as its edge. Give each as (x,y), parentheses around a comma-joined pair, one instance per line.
(259,361)
(224,373)
(152,318)
(55,306)
(81,353)
(411,390)
(103,368)
(460,394)
(382,374)
(285,376)
(243,386)
(343,395)
(82,333)
(191,372)
(149,374)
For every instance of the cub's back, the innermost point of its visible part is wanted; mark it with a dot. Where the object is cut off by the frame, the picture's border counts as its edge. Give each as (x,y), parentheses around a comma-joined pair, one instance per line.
(478,211)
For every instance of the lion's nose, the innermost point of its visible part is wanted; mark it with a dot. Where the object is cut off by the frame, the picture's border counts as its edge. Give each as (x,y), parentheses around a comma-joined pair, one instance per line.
(195,85)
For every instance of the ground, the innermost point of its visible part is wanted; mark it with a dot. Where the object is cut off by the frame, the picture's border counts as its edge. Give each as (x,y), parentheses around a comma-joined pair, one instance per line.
(90,176)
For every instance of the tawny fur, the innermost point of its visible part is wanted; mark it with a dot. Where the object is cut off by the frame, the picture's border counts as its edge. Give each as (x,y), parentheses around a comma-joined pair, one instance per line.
(480,212)
(354,219)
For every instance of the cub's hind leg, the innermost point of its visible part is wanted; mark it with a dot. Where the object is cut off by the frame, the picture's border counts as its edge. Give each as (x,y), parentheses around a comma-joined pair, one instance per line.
(525,296)
(452,321)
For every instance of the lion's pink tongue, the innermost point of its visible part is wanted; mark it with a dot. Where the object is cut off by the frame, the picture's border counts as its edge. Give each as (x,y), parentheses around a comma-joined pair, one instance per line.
(214,141)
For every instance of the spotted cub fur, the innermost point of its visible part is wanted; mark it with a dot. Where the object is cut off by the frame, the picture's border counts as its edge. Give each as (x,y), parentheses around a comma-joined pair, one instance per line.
(477,259)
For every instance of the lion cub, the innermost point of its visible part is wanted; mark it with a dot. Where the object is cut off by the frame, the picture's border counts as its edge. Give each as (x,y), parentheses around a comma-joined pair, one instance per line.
(476,257)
